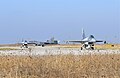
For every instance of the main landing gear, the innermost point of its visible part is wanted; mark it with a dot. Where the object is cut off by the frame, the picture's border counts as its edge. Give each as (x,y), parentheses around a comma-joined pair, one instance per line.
(87,47)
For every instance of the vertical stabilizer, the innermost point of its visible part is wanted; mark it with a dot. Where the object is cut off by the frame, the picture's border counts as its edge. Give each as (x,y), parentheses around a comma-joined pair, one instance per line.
(52,40)
(83,34)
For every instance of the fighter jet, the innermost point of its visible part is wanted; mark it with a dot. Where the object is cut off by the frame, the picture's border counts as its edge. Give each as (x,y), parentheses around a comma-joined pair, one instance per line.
(87,42)
(24,44)
(48,42)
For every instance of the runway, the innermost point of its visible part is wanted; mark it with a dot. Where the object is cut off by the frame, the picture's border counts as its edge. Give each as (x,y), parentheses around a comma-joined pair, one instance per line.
(48,50)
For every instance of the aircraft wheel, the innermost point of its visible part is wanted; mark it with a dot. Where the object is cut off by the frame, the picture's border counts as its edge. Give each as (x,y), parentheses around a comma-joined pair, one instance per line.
(92,48)
(81,48)
(43,45)
(35,44)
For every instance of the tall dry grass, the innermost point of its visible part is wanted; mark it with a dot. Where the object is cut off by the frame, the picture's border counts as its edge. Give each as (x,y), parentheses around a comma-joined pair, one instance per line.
(60,66)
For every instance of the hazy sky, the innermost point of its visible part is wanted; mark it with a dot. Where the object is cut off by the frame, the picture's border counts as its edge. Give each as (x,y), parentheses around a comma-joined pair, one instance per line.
(63,19)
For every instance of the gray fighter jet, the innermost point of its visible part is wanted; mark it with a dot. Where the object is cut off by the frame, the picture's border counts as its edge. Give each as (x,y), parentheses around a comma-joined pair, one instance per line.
(48,42)
(87,42)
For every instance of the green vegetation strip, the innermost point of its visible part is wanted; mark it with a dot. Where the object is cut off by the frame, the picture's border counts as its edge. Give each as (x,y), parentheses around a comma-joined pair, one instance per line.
(8,49)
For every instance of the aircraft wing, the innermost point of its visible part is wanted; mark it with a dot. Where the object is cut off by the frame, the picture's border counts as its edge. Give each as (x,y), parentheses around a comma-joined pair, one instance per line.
(99,41)
(76,41)
(82,41)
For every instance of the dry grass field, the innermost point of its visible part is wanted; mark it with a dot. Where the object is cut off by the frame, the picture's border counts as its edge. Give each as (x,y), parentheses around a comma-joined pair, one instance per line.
(97,46)
(60,66)
(108,46)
